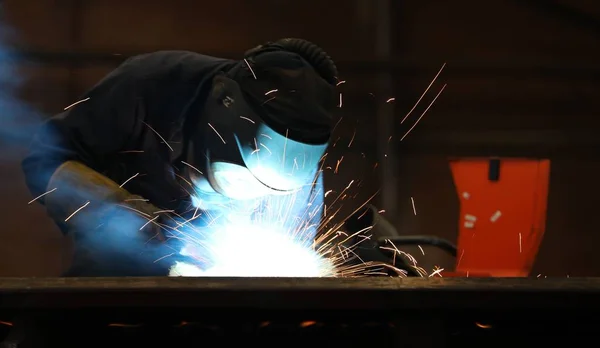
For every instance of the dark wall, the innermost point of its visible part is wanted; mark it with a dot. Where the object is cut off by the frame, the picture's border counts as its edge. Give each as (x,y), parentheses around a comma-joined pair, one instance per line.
(521,82)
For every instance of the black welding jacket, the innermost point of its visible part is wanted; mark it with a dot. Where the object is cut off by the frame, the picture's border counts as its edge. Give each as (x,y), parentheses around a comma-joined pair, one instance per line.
(134,121)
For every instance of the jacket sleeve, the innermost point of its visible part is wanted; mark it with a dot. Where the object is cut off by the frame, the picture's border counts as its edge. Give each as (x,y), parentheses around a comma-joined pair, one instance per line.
(88,132)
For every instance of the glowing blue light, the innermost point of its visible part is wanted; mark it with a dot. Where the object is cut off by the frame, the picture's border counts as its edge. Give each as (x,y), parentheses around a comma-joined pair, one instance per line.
(242,250)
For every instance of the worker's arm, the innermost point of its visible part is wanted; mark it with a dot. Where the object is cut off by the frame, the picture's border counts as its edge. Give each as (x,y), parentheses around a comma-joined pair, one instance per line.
(72,149)
(90,132)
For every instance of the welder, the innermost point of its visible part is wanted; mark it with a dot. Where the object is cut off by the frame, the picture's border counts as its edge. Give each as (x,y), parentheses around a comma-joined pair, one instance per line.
(174,132)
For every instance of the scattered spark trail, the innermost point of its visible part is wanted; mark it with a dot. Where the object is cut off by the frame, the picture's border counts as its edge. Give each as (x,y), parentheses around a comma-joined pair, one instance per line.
(412,200)
(42,195)
(424,112)
(247,119)
(251,70)
(520,243)
(276,241)
(191,166)
(352,139)
(213,128)
(76,211)
(437,272)
(128,180)
(149,222)
(76,103)
(160,136)
(425,92)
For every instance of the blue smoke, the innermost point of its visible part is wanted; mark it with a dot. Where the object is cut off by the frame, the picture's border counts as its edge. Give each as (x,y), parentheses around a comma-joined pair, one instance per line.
(112,243)
(18,119)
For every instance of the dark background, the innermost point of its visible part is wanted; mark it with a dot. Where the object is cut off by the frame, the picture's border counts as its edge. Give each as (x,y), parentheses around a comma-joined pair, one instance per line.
(522,81)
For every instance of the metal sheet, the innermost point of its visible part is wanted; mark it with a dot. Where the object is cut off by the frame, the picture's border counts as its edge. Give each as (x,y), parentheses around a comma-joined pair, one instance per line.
(293,293)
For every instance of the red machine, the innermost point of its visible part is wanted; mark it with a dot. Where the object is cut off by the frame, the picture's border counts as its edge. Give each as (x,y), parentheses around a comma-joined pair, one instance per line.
(502,215)
(501,223)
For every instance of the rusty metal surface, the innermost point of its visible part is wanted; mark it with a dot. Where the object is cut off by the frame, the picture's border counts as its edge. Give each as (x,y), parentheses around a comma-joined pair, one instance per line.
(377,293)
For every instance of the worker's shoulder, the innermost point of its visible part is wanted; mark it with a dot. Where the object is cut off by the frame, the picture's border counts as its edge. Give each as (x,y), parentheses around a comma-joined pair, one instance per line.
(164,61)
(166,69)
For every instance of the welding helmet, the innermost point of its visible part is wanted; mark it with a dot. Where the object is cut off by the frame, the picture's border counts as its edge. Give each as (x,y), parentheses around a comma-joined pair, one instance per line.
(267,122)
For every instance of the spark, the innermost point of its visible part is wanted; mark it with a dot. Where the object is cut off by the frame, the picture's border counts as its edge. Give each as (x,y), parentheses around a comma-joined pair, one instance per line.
(284,148)
(128,180)
(341,101)
(340,83)
(191,166)
(132,209)
(424,112)
(462,253)
(437,272)
(42,195)
(425,92)
(390,100)
(247,119)
(337,124)
(352,139)
(149,222)
(249,67)
(520,243)
(213,128)
(76,103)
(160,136)
(337,166)
(271,91)
(412,200)
(164,257)
(164,211)
(277,241)
(266,148)
(268,100)
(76,211)
(307,323)
(137,199)
(335,142)
(184,179)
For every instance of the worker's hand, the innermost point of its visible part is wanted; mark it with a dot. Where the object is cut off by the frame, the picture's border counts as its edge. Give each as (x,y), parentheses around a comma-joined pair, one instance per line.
(153,218)
(84,200)
(131,228)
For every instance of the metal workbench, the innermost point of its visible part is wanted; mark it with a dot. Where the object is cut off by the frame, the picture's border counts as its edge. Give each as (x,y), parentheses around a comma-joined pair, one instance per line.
(383,311)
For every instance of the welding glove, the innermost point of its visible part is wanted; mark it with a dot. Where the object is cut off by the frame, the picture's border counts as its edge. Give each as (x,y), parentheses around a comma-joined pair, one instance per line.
(83,200)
